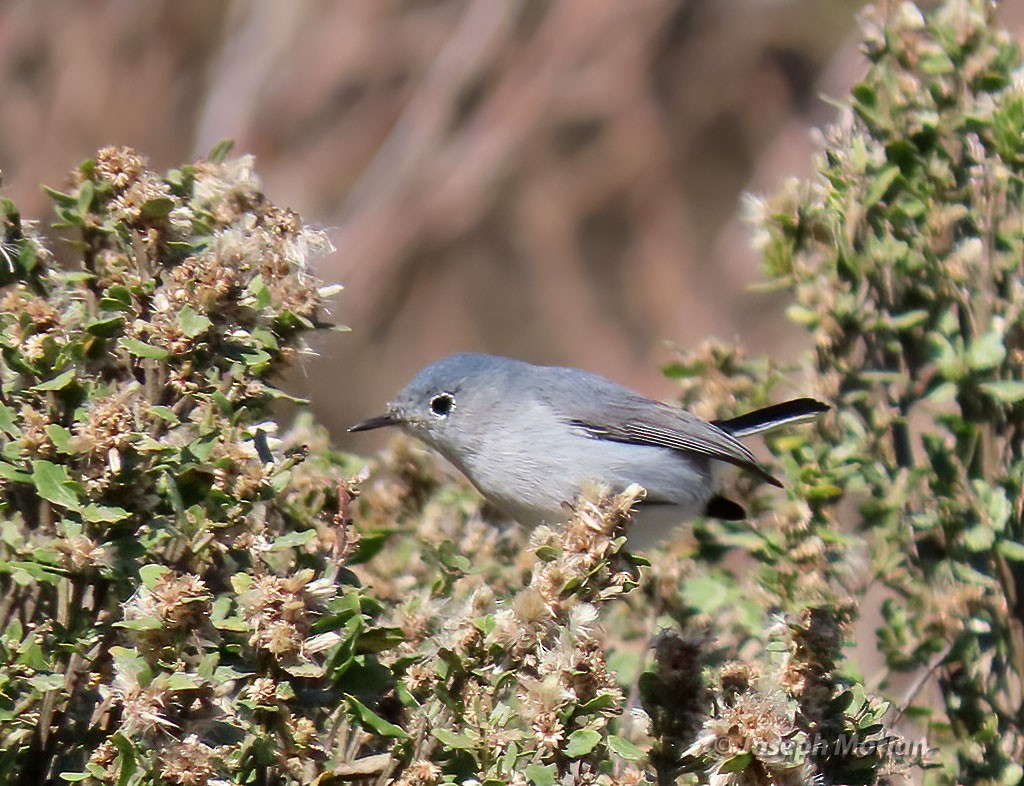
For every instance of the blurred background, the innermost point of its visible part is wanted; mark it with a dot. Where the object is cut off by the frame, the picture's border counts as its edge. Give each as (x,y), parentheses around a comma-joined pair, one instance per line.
(559,181)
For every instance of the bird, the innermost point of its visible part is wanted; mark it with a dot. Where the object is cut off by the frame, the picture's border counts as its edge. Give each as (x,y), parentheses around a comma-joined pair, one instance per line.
(532,438)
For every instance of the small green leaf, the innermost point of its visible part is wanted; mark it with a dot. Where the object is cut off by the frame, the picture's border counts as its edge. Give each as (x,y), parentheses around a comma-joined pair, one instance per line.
(881,185)
(27,573)
(220,151)
(143,350)
(164,413)
(454,740)
(293,539)
(53,484)
(183,680)
(908,319)
(86,194)
(105,328)
(8,423)
(127,758)
(737,763)
(541,774)
(372,720)
(241,582)
(66,200)
(117,298)
(193,323)
(59,382)
(1011,549)
(986,351)
(60,437)
(581,742)
(602,701)
(151,574)
(11,472)
(157,208)
(255,357)
(979,538)
(624,749)
(258,291)
(1006,391)
(103,513)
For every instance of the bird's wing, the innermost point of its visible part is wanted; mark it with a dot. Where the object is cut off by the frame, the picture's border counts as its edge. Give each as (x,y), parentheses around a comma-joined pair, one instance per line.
(640,421)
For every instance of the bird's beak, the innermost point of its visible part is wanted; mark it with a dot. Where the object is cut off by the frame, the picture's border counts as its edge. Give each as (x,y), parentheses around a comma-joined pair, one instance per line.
(380,421)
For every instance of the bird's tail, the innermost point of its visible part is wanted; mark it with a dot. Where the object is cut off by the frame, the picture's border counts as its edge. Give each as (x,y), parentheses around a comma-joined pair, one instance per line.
(799,410)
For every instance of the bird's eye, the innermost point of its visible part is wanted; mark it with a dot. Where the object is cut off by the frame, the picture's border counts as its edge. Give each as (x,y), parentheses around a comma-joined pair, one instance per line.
(442,404)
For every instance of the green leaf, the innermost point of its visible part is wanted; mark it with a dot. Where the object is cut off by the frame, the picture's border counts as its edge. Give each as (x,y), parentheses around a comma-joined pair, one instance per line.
(193,323)
(541,774)
(60,437)
(74,777)
(581,742)
(980,537)
(8,423)
(881,185)
(11,472)
(103,513)
(624,749)
(59,382)
(164,413)
(151,574)
(220,151)
(372,720)
(986,351)
(105,328)
(266,338)
(737,763)
(157,208)
(53,484)
(1011,549)
(86,194)
(1006,391)
(255,357)
(183,680)
(66,200)
(127,759)
(117,298)
(293,539)
(27,573)
(258,291)
(908,319)
(143,350)
(454,740)
(706,593)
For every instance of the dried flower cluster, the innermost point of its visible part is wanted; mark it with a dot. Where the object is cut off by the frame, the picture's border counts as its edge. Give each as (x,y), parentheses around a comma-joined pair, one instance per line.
(163,578)
(904,259)
(524,685)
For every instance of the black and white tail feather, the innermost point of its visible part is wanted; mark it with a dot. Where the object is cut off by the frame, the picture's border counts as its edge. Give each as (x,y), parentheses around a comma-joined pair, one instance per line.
(788,413)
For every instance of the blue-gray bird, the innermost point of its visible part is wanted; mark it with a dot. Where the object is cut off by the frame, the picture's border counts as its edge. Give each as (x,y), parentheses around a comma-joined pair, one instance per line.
(531,438)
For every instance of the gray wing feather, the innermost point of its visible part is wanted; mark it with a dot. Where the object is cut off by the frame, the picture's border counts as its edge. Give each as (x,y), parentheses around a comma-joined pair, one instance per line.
(642,421)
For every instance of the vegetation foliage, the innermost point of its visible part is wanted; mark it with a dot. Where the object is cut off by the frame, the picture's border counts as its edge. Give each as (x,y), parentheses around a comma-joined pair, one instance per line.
(189,596)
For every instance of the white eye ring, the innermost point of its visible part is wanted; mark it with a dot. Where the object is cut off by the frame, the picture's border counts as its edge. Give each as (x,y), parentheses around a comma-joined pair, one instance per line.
(442,405)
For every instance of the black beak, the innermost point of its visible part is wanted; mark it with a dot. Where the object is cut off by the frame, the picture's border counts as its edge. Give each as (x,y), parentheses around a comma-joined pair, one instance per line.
(378,422)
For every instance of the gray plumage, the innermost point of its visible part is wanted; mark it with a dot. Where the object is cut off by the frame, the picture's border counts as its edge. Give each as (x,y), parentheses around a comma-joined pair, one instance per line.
(531,438)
